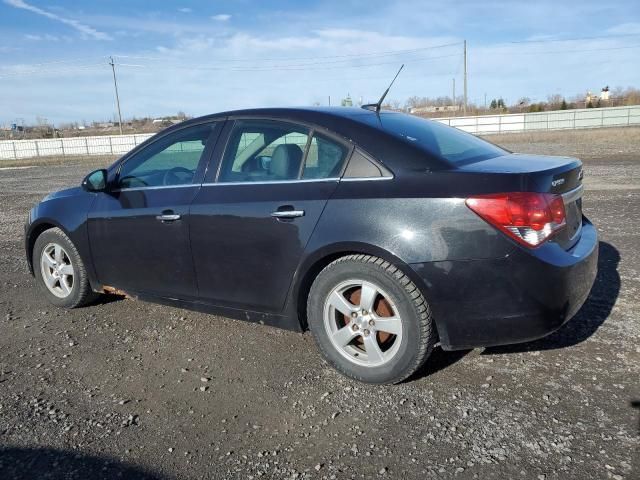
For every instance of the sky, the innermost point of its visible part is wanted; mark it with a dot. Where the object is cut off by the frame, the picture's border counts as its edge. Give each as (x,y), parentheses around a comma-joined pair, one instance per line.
(207,56)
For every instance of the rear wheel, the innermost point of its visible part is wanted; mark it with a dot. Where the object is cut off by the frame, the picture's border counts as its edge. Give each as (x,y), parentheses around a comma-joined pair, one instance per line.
(369,320)
(59,270)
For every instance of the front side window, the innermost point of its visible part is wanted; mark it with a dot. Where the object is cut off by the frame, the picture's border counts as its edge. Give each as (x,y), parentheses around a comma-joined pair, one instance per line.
(263,151)
(172,160)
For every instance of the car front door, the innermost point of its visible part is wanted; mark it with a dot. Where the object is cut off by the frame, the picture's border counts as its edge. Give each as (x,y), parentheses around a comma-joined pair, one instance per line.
(139,228)
(251,220)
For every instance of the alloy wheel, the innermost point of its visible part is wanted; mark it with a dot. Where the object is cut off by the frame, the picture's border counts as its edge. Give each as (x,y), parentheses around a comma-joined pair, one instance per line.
(57,270)
(362,323)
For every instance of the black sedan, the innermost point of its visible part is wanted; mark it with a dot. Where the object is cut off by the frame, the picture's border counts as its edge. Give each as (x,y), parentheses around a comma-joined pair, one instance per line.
(382,233)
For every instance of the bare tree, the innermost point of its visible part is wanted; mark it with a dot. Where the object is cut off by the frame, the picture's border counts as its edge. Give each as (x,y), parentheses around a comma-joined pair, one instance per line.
(554,101)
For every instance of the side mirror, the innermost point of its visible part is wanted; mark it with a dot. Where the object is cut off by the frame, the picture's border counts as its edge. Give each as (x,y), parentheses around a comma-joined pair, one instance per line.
(96,181)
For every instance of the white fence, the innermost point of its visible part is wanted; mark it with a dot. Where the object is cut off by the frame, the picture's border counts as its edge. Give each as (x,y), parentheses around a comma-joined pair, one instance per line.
(99,145)
(555,120)
(484,124)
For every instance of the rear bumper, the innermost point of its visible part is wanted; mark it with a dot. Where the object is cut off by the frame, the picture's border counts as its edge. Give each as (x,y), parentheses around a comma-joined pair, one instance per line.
(521,297)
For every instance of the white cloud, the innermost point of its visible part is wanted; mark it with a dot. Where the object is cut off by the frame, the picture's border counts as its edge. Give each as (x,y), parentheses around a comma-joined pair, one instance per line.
(81,27)
(135,25)
(221,17)
(630,28)
(47,36)
(185,10)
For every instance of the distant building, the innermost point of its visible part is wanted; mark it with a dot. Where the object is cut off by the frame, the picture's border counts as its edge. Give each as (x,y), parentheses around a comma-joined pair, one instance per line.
(593,98)
(347,102)
(167,121)
(435,109)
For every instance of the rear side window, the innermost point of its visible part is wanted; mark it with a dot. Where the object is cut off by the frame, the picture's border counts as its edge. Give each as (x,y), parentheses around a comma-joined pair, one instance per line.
(263,151)
(274,151)
(324,158)
(360,166)
(453,145)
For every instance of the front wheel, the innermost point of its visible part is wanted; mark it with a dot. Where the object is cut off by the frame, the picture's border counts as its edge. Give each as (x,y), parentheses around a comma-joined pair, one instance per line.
(59,270)
(369,320)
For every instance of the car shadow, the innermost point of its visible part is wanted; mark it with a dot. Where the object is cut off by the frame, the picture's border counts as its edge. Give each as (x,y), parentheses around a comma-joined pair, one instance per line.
(32,463)
(593,313)
(438,360)
(636,404)
(106,298)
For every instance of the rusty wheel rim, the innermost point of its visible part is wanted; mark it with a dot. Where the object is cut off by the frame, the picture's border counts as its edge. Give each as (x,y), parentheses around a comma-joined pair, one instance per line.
(362,323)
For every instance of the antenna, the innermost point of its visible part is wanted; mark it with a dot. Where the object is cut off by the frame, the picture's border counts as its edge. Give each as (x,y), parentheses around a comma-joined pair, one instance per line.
(376,106)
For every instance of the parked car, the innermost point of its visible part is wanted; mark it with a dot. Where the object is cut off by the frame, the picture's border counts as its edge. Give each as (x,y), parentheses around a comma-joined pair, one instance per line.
(382,233)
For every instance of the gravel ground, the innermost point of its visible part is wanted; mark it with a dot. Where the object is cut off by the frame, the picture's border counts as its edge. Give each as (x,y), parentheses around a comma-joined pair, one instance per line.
(126,389)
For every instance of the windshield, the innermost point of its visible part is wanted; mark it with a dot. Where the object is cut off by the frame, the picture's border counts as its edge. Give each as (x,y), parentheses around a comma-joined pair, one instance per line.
(453,145)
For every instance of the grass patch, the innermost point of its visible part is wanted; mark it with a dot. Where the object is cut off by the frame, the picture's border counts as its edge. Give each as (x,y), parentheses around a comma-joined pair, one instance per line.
(621,135)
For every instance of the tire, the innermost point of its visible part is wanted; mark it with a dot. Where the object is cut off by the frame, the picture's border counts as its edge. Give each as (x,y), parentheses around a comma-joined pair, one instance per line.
(62,275)
(398,321)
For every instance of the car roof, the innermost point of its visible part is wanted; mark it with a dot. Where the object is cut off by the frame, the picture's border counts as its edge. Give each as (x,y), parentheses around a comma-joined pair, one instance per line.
(313,114)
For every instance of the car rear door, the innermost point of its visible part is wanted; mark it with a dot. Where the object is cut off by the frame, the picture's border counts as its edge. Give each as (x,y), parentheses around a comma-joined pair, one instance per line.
(139,228)
(252,218)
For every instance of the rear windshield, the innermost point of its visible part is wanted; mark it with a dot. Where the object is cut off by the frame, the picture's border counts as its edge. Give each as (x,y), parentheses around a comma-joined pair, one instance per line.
(448,143)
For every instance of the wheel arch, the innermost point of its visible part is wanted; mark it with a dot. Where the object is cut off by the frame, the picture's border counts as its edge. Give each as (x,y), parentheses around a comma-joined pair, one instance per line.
(35,230)
(43,224)
(319,259)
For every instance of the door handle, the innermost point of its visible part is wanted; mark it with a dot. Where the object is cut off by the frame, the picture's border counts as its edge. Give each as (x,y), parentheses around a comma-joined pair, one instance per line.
(287,213)
(168,217)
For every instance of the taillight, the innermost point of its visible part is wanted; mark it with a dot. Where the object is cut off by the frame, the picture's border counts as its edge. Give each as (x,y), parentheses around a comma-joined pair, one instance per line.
(527,217)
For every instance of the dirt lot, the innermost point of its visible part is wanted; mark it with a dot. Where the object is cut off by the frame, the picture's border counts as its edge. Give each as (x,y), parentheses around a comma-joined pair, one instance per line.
(124,389)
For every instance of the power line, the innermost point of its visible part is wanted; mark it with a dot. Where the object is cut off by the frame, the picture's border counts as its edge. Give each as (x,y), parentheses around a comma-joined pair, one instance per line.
(291,67)
(339,64)
(552,40)
(66,65)
(351,55)
(573,51)
(164,59)
(71,68)
(55,62)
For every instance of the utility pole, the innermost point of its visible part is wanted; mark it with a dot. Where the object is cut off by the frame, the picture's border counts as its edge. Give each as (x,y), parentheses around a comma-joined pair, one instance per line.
(465,78)
(115,84)
(485,101)
(453,97)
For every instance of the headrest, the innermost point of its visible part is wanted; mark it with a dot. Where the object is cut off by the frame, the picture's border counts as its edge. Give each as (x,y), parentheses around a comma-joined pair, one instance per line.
(285,161)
